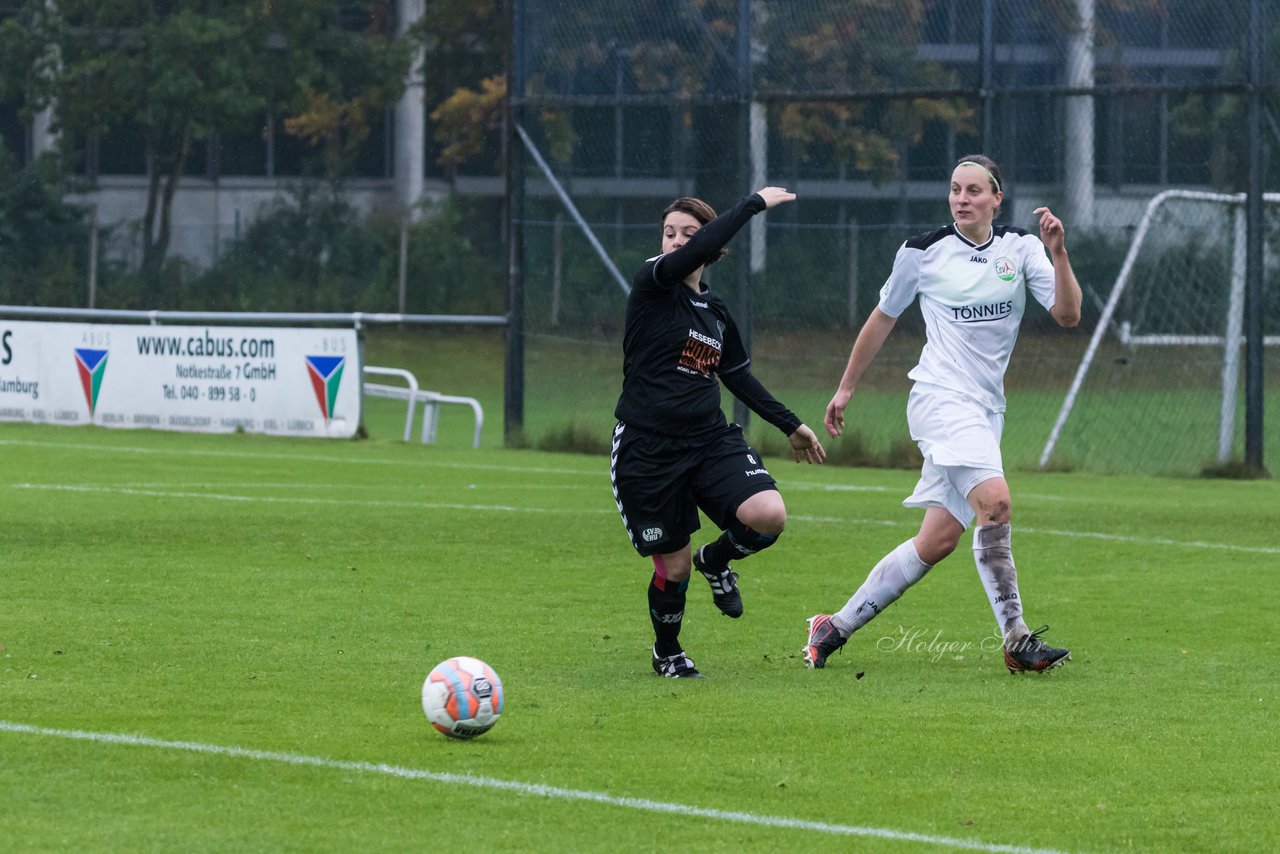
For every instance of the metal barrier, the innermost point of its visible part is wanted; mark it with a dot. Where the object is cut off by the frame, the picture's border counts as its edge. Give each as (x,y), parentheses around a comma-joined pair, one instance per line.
(413,394)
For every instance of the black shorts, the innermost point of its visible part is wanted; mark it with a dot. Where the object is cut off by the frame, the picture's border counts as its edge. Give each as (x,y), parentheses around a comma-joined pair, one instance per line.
(660,483)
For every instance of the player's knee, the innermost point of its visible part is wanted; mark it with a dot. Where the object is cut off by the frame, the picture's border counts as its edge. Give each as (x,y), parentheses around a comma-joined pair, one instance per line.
(937,545)
(771,524)
(673,566)
(995,511)
(990,501)
(764,513)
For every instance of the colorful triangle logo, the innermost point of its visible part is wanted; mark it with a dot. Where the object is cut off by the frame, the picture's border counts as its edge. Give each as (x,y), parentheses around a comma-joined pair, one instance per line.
(91,364)
(326,376)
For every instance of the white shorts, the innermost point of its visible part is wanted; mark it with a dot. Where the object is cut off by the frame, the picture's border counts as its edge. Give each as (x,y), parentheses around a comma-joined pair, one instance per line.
(960,441)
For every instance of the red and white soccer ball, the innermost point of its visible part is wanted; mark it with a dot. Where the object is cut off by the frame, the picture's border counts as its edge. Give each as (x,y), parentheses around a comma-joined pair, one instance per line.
(462,697)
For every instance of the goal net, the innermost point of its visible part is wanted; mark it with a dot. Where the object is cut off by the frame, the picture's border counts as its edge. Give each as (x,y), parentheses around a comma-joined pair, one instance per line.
(1159,386)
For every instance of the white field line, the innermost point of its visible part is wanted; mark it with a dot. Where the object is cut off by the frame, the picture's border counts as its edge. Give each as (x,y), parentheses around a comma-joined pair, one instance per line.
(293,499)
(830,487)
(507,508)
(1078,535)
(534,789)
(367,487)
(601,471)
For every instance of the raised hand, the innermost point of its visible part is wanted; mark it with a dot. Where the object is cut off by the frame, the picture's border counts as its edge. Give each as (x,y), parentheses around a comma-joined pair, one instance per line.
(1052,233)
(774,196)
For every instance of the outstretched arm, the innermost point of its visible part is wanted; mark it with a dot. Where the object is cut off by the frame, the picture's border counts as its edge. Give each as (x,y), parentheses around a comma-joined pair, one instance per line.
(868,344)
(707,242)
(1067,296)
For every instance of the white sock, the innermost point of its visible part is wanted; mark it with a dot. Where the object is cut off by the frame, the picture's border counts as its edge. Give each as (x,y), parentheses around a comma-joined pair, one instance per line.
(993,554)
(890,578)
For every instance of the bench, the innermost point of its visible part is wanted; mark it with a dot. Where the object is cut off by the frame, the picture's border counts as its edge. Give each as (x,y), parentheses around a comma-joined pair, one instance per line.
(413,395)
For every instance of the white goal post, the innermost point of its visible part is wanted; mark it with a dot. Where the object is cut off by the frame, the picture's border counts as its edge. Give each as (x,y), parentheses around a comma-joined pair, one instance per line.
(1231,340)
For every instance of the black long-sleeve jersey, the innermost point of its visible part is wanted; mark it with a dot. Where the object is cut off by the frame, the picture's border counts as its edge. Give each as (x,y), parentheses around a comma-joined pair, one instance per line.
(678,342)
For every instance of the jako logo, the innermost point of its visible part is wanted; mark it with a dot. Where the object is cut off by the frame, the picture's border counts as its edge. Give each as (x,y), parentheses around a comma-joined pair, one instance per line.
(326,376)
(91,364)
(651,535)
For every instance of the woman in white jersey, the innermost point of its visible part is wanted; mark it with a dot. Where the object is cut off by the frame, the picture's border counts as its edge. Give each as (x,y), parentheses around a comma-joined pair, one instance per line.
(972,279)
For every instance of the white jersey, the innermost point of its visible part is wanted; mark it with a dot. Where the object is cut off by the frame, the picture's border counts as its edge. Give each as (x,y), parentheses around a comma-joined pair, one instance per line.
(972,297)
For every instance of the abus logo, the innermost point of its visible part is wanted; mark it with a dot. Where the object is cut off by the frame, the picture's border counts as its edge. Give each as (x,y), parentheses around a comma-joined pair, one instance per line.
(92,365)
(651,535)
(326,376)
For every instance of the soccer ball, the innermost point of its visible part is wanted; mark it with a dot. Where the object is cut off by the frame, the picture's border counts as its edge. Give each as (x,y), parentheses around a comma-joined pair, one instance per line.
(462,697)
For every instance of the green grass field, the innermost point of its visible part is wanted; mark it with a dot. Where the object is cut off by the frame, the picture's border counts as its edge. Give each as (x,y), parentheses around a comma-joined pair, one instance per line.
(217,643)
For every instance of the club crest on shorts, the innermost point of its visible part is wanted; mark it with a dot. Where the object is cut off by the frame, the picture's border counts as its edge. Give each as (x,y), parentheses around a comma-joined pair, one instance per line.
(652,533)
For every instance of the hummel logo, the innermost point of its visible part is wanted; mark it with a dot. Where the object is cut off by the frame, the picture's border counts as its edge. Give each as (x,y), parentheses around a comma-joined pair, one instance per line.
(697,304)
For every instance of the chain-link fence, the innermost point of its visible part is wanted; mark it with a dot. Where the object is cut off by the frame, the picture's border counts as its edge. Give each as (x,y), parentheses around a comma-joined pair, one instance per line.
(1093,107)
(863,107)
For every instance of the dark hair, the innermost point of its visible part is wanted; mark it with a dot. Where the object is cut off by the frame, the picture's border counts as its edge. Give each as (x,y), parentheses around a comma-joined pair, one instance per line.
(993,169)
(699,210)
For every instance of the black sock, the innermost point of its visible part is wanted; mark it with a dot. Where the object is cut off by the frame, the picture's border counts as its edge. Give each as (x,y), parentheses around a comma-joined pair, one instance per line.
(666,612)
(737,542)
(716,555)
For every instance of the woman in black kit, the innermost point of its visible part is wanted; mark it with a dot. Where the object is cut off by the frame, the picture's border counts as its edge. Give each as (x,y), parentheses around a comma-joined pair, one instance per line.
(673,451)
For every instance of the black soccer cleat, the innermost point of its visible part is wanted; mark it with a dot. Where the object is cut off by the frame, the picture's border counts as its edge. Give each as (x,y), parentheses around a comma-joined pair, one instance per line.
(1032,653)
(824,639)
(678,666)
(724,586)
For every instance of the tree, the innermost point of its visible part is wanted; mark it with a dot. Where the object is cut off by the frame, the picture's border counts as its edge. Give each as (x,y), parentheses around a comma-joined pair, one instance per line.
(41,234)
(870,46)
(175,70)
(465,44)
(687,51)
(335,76)
(464,119)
